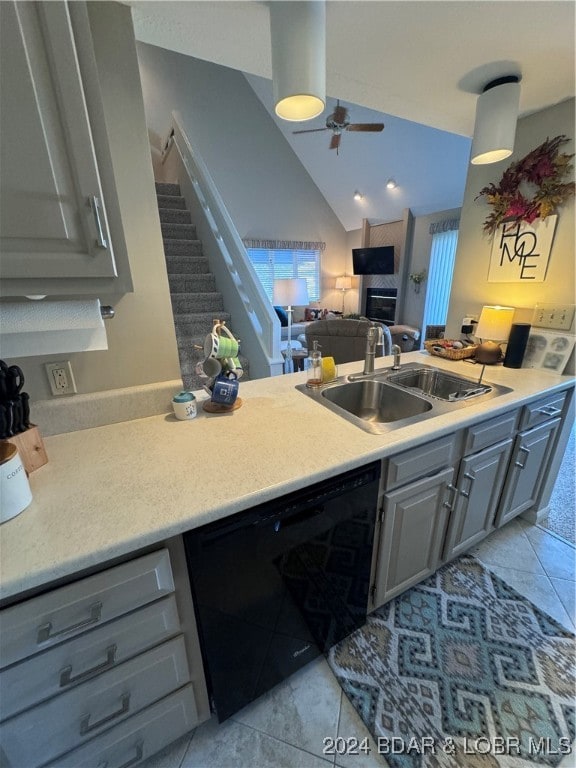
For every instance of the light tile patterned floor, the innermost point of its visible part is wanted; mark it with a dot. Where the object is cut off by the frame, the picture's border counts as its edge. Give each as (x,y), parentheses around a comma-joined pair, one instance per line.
(286,727)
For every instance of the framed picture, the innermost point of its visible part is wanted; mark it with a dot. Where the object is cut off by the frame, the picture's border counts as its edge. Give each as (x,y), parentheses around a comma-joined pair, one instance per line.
(548,350)
(521,252)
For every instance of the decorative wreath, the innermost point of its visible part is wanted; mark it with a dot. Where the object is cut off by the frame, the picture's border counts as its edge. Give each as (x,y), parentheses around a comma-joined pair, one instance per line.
(514,198)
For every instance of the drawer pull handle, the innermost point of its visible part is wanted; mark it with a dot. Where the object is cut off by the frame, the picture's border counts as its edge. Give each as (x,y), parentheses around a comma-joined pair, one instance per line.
(549,410)
(66,673)
(519,463)
(467,493)
(85,726)
(101,240)
(133,760)
(45,630)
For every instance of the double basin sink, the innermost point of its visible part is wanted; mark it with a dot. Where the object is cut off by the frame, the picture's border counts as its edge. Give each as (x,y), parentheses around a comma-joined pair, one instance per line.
(388,399)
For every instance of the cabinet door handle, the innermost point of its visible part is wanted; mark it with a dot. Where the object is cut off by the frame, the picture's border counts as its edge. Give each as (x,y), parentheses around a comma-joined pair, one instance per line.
(66,673)
(85,726)
(450,504)
(45,630)
(549,410)
(133,760)
(467,493)
(101,240)
(519,463)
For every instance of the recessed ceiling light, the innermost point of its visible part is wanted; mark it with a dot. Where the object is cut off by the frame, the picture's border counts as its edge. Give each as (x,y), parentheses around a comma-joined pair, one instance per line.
(391,184)
(358,196)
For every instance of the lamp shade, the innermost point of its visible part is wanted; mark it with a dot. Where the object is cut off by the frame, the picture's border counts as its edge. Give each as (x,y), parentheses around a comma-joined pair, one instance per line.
(343,283)
(495,323)
(298,39)
(291,291)
(495,126)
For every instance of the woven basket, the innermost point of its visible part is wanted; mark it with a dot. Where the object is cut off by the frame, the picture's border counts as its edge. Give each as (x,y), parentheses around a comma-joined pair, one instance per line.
(434,347)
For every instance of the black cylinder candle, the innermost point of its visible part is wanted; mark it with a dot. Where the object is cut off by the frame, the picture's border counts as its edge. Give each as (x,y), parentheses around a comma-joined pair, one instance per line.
(516,345)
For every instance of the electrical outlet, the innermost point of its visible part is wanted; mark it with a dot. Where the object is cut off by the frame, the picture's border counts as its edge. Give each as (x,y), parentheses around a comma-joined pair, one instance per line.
(558,317)
(61,378)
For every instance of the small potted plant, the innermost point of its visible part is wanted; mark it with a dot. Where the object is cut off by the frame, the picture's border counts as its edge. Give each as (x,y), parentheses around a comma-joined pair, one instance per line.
(417,278)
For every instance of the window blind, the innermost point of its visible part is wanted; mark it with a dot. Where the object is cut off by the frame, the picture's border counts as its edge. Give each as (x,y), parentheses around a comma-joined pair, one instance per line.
(278,263)
(442,256)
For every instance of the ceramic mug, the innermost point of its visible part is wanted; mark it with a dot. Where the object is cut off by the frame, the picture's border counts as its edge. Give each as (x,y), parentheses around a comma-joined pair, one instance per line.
(221,344)
(209,368)
(232,365)
(224,389)
(14,487)
(184,406)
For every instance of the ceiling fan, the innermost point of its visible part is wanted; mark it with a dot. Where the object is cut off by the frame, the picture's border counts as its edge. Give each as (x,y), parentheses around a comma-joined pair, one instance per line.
(339,121)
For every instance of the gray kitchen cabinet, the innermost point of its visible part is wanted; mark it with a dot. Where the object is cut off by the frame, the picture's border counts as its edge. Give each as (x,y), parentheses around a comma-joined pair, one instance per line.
(414,524)
(478,488)
(55,202)
(528,465)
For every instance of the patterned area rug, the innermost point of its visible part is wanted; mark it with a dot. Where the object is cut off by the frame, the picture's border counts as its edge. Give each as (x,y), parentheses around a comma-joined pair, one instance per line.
(462,672)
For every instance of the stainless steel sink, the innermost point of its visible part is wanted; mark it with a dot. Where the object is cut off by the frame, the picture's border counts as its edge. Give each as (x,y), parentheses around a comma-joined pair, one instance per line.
(444,386)
(376,401)
(386,400)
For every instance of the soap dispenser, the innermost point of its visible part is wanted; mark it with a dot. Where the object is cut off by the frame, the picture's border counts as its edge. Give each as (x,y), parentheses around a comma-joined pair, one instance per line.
(314,366)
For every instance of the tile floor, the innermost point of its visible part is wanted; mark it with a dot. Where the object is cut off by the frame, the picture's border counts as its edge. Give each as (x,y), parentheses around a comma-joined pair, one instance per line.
(286,727)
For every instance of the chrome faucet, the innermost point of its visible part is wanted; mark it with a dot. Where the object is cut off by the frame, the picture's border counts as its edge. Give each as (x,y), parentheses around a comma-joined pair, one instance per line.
(396,352)
(375,336)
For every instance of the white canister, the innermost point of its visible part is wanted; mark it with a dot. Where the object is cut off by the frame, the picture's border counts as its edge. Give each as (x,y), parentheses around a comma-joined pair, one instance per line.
(184,405)
(15,493)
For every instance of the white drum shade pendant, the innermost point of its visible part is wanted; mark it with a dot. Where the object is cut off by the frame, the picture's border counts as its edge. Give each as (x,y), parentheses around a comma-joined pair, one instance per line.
(496,116)
(298,38)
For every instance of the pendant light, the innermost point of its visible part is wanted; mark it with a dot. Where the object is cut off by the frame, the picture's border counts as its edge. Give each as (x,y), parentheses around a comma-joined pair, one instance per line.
(298,38)
(496,116)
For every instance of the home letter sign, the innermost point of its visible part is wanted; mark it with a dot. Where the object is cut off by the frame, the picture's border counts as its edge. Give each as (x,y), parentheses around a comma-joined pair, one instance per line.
(521,251)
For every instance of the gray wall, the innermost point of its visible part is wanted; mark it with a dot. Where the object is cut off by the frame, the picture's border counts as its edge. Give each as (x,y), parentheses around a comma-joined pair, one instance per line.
(267,191)
(470,287)
(141,338)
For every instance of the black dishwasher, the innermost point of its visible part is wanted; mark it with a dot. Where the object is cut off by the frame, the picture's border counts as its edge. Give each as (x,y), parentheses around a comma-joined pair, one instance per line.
(281,583)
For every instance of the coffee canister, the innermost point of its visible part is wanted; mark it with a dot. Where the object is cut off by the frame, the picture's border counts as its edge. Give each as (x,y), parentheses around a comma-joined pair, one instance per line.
(15,493)
(517,342)
(184,405)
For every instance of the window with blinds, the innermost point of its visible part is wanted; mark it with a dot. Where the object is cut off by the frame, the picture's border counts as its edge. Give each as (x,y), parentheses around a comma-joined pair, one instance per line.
(278,263)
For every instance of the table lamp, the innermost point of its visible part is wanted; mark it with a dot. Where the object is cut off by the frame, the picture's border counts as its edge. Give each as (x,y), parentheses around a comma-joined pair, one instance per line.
(494,326)
(288,292)
(343,283)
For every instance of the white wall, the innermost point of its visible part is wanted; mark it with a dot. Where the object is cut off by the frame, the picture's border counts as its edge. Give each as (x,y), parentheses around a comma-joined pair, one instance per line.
(470,287)
(267,191)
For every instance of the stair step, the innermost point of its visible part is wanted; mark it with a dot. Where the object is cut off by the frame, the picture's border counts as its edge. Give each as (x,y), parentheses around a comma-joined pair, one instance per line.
(171,201)
(174,216)
(182,248)
(197,324)
(187,265)
(202,282)
(186,303)
(162,188)
(178,231)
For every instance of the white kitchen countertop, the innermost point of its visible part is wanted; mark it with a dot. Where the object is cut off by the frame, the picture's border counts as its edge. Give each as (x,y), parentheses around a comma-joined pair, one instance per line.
(112,490)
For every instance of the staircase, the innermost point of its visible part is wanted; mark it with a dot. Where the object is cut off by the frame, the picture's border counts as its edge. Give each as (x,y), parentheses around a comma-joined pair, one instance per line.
(195,300)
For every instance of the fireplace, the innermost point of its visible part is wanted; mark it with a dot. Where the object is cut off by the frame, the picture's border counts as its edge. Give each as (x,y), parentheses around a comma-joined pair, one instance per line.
(381,304)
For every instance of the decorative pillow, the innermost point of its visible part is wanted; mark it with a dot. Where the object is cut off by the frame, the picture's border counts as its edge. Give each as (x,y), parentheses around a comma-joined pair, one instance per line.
(311,313)
(282,316)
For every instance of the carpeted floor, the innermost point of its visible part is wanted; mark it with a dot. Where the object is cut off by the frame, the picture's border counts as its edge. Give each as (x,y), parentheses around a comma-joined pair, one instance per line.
(462,672)
(562,517)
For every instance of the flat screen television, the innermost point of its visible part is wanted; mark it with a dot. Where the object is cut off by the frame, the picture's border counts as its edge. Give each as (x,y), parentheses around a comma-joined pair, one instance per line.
(373,261)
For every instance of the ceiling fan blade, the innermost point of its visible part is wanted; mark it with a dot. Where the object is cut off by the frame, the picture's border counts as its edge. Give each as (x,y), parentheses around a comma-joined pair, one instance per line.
(335,141)
(365,127)
(340,114)
(311,130)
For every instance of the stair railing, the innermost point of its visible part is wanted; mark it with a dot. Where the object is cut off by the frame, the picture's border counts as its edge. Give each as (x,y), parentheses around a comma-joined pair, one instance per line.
(254,320)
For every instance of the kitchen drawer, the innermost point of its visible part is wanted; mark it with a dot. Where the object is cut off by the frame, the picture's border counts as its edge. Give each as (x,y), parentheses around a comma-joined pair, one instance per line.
(138,737)
(46,674)
(420,462)
(542,410)
(56,616)
(489,432)
(40,734)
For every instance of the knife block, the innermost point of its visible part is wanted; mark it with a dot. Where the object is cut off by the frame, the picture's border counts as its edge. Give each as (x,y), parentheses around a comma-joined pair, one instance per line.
(31,448)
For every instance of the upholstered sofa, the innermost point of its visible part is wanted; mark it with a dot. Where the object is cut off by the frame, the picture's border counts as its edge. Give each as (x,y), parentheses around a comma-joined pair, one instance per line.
(345,339)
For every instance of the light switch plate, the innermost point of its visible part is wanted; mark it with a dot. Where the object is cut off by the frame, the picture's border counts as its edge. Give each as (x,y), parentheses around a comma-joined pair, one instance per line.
(556,316)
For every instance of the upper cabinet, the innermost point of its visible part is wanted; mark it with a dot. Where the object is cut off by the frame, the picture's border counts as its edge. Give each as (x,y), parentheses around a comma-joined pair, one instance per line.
(57,206)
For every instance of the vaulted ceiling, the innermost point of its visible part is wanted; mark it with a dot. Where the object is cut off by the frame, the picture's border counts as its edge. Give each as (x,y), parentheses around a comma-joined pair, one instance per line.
(417,66)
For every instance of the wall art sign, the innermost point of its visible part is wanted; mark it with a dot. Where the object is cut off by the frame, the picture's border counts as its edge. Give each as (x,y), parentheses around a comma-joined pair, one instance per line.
(521,251)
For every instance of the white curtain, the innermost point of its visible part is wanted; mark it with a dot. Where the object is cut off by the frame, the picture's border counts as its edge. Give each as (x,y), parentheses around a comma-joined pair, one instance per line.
(440,272)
